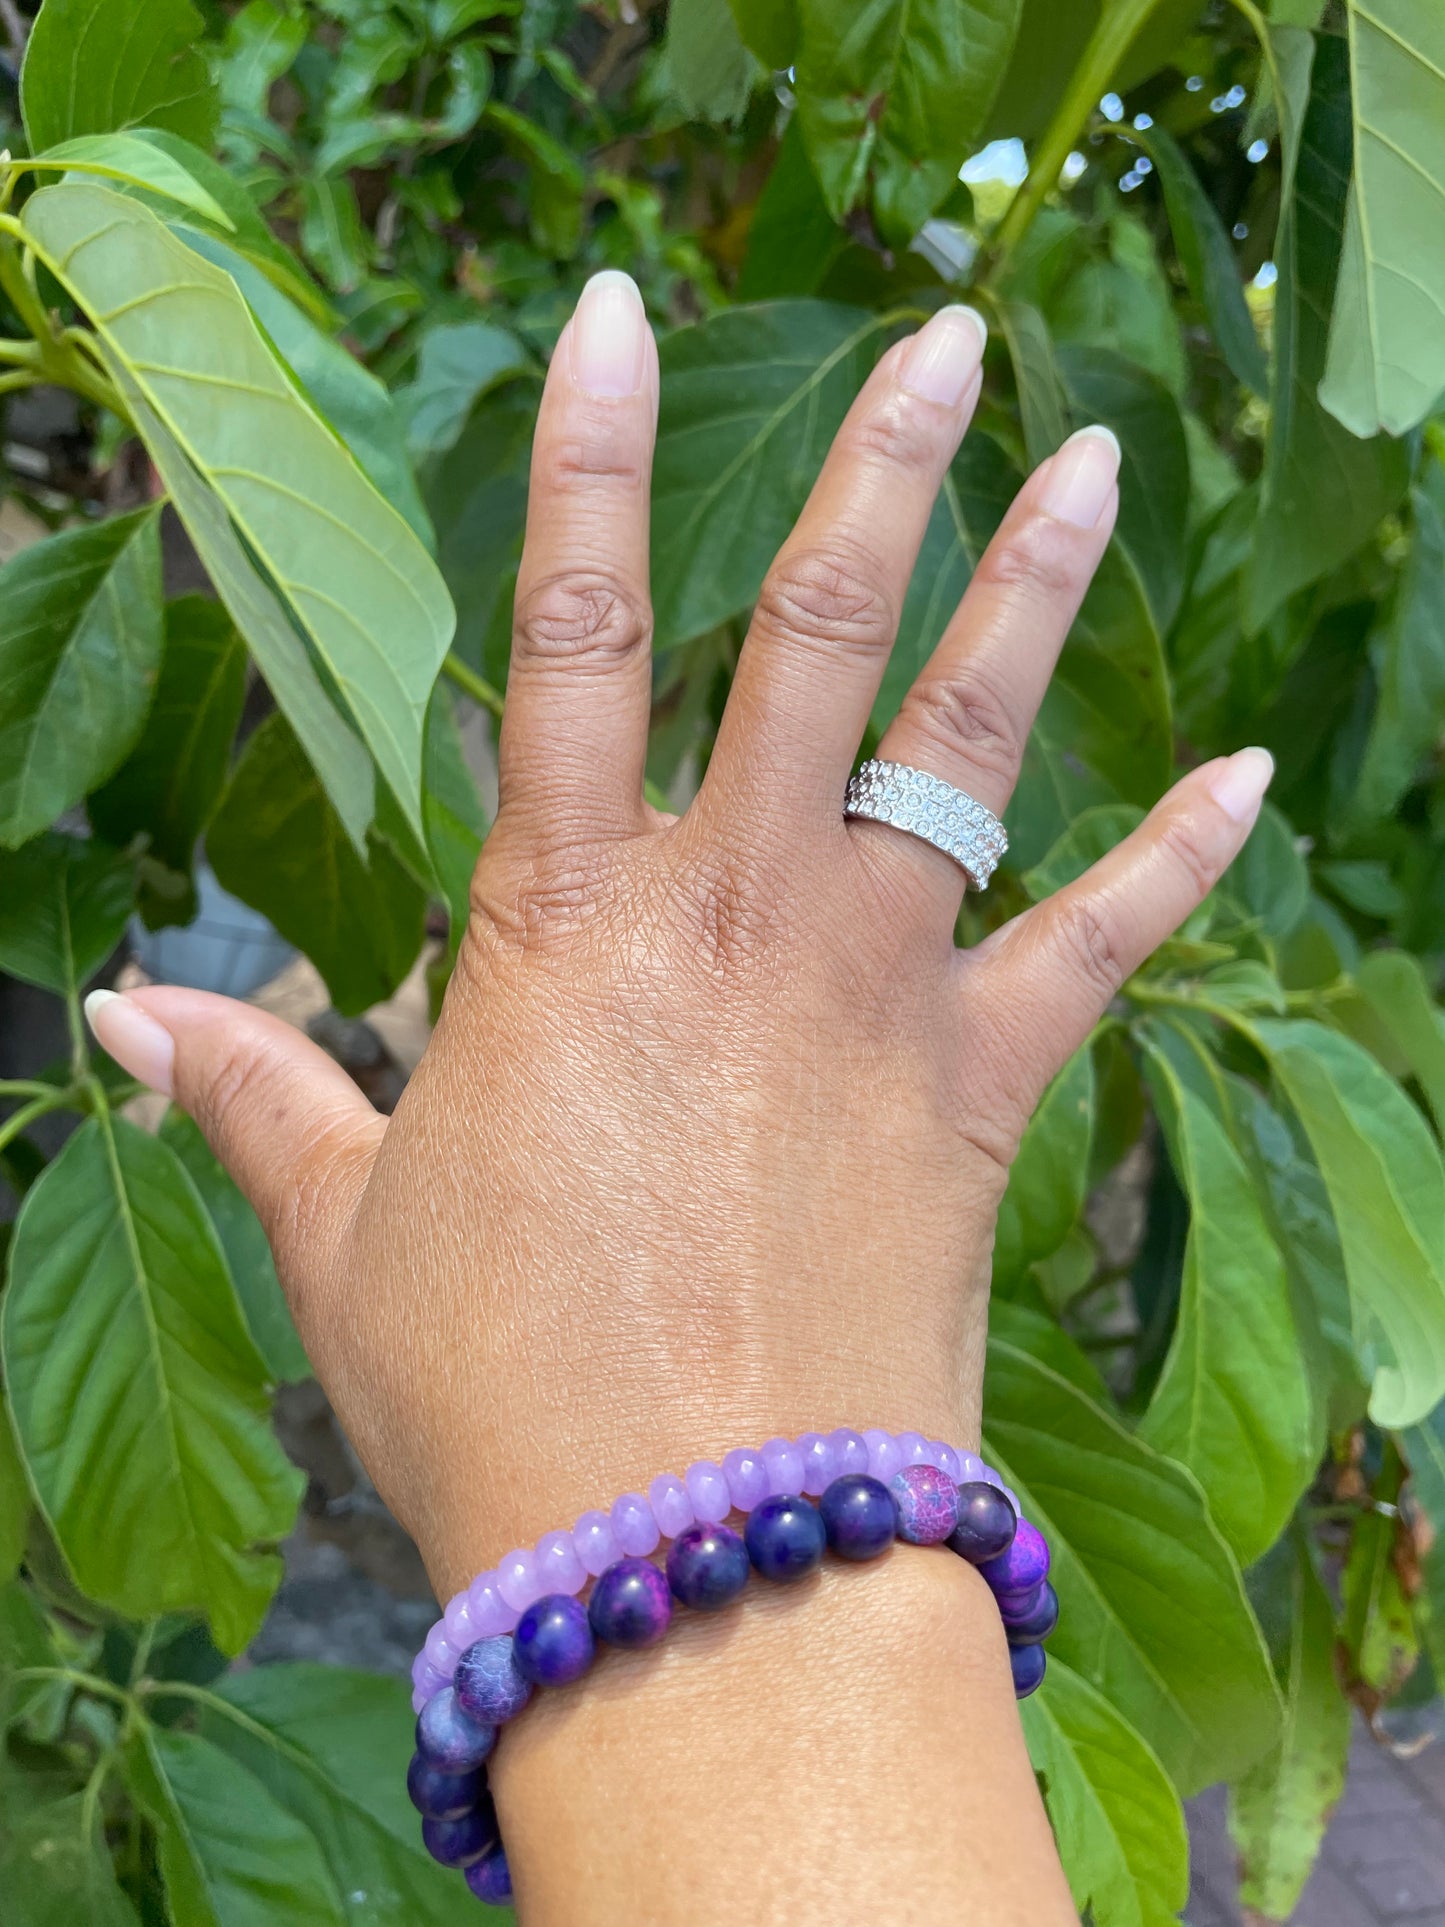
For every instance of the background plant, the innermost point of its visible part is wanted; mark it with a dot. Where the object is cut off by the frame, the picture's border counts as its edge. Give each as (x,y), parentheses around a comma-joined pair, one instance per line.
(310,259)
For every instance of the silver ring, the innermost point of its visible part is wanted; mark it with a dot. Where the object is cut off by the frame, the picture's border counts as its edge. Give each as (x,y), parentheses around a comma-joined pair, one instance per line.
(926,806)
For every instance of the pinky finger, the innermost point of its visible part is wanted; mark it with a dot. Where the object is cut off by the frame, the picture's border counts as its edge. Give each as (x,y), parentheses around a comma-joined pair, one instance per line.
(1051,973)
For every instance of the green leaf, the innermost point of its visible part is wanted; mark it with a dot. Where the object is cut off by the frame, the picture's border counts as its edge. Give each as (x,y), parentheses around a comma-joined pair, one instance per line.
(458,362)
(137,162)
(304,552)
(80,643)
(1386,367)
(137,1394)
(1090,836)
(770,28)
(331,1747)
(1231,1402)
(332,235)
(63,905)
(231,1855)
(1279,1809)
(1396,989)
(1269,879)
(477,492)
(1123,301)
(1043,406)
(1117,1820)
(14,1500)
(712,72)
(1051,40)
(169,784)
(893,98)
(277,844)
(556,178)
(56,1871)
(1207,257)
(455,819)
(792,238)
(248,1256)
(1324,491)
(751,400)
(1423,1446)
(1154,1613)
(101,66)
(261,44)
(1048,1180)
(1378,1632)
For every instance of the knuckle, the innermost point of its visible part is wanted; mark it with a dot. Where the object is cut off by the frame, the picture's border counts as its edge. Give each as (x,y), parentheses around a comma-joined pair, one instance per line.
(1032,565)
(823,596)
(231,1095)
(966,714)
(599,451)
(1089,942)
(730,914)
(1180,838)
(584,619)
(900,432)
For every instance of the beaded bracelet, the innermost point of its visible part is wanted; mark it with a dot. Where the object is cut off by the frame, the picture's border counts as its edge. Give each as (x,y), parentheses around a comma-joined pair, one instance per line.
(523,1626)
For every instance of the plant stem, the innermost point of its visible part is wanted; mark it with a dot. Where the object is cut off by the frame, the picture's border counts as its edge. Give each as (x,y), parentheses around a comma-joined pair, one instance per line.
(473,685)
(21,1120)
(83,1682)
(25,1087)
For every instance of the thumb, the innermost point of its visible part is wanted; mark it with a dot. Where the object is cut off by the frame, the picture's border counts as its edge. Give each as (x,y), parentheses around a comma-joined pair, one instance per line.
(285,1120)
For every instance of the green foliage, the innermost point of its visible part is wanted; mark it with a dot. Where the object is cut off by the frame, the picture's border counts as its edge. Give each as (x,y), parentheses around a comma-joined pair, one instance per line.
(311,257)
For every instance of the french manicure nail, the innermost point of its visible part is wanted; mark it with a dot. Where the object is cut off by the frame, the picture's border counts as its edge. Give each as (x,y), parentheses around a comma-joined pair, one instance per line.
(609,336)
(1080,477)
(1240,784)
(136,1041)
(943,357)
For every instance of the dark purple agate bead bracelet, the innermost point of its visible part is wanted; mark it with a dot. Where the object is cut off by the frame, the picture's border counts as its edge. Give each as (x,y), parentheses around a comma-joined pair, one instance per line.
(525,1625)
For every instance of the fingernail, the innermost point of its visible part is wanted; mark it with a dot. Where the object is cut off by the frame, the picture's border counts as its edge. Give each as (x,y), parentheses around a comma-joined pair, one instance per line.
(609,335)
(1080,477)
(137,1042)
(943,357)
(1239,786)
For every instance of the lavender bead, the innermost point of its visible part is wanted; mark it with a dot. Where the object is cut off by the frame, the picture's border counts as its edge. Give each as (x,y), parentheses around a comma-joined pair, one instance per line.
(595,1541)
(1024,1564)
(518,1580)
(819,1460)
(630,1605)
(970,1469)
(438,1795)
(489,1685)
(785,1467)
(459,1843)
(635,1525)
(884,1457)
(553,1643)
(941,1454)
(671,1506)
(927,1502)
(558,1567)
(457,1622)
(490,1612)
(850,1452)
(490,1878)
(441,1655)
(450,1739)
(1027,1664)
(418,1699)
(747,1478)
(707,1490)
(914,1448)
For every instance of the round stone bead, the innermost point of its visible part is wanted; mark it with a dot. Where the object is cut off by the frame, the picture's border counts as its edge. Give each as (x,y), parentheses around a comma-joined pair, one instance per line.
(518,1580)
(490,1686)
(941,1454)
(818,1463)
(630,1604)
(440,1653)
(1027,1664)
(914,1448)
(438,1795)
(558,1567)
(490,1612)
(634,1525)
(785,1467)
(671,1506)
(859,1516)
(1024,1564)
(927,1502)
(450,1738)
(747,1477)
(785,1537)
(490,1878)
(595,1542)
(460,1843)
(884,1457)
(707,1567)
(457,1624)
(553,1641)
(850,1451)
(1015,1607)
(986,1523)
(707,1491)
(1033,1628)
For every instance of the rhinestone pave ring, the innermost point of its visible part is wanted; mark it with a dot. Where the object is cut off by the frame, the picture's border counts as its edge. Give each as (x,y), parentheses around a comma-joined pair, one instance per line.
(926,806)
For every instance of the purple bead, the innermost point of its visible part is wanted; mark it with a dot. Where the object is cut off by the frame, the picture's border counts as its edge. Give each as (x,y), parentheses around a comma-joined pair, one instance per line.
(518,1580)
(458,1625)
(490,1612)
(490,1878)
(707,1491)
(850,1452)
(994,1478)
(986,1523)
(785,1467)
(489,1685)
(747,1478)
(859,1516)
(1036,1626)
(440,1653)
(785,1537)
(635,1525)
(553,1642)
(558,1567)
(671,1506)
(1027,1664)
(819,1463)
(927,1502)
(707,1567)
(914,1448)
(1016,1608)
(630,1605)
(970,1468)
(595,1541)
(884,1457)
(1024,1564)
(438,1795)
(431,1681)
(941,1454)
(458,1843)
(450,1738)
(418,1699)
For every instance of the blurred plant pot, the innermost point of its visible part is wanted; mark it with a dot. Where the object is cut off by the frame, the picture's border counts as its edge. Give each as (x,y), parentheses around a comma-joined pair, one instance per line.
(228,947)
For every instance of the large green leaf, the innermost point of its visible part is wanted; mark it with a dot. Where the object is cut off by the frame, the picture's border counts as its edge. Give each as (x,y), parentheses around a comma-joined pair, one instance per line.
(458,362)
(1117,1820)
(56,1870)
(63,905)
(1154,1613)
(1232,1402)
(1397,990)
(134,161)
(792,238)
(1386,367)
(1324,491)
(137,1394)
(14,1500)
(80,643)
(712,72)
(769,27)
(306,554)
(331,1747)
(101,66)
(231,1854)
(477,495)
(751,400)
(455,819)
(1278,1810)
(893,95)
(1048,1179)
(277,843)
(1052,37)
